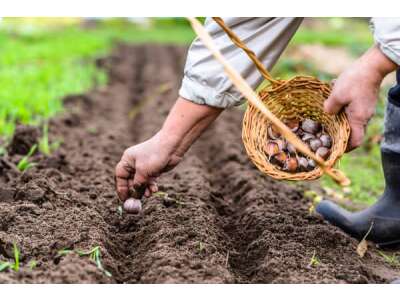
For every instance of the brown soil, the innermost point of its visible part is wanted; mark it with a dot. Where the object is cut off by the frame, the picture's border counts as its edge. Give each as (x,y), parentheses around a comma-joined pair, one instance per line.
(222,221)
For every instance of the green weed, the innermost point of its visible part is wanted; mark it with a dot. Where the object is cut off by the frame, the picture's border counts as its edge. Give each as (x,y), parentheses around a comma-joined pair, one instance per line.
(45,146)
(314,261)
(15,265)
(94,254)
(24,164)
(392,260)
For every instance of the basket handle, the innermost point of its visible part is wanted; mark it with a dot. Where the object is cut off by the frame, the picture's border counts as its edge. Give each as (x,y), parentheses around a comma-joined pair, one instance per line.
(253,98)
(237,41)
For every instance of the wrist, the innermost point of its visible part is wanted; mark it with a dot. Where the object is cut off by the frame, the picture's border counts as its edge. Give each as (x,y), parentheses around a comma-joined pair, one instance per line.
(168,141)
(377,64)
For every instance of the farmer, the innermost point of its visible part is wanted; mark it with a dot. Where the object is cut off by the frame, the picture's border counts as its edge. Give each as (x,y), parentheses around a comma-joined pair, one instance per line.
(206,92)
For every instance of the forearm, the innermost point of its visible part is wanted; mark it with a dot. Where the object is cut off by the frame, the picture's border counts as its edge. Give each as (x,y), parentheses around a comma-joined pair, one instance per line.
(185,123)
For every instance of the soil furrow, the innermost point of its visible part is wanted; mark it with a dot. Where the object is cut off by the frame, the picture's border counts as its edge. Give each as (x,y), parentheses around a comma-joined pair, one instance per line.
(219,221)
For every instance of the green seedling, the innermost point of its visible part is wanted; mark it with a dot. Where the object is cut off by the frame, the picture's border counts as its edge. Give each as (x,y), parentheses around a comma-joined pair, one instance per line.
(119,210)
(64,252)
(95,255)
(5,265)
(24,164)
(315,199)
(314,261)
(45,146)
(201,247)
(166,197)
(92,130)
(32,264)
(392,260)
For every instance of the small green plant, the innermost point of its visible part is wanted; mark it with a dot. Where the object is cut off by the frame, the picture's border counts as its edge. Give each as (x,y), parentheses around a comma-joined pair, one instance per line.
(32,264)
(314,261)
(201,246)
(44,145)
(24,164)
(314,198)
(64,252)
(6,265)
(167,198)
(120,210)
(94,254)
(92,130)
(392,260)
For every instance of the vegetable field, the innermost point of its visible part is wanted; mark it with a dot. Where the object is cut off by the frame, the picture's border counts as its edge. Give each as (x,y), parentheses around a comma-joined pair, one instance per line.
(216,218)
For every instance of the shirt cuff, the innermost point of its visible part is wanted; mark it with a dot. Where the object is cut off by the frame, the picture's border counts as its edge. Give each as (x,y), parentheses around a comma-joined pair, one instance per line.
(389,52)
(203,94)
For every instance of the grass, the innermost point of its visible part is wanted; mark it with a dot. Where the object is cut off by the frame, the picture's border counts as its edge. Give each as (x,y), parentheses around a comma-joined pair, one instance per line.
(350,33)
(392,260)
(39,66)
(45,146)
(94,254)
(314,261)
(24,164)
(15,264)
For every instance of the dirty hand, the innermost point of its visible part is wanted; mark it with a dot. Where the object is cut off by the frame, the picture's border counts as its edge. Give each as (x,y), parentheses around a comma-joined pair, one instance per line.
(141,164)
(356,90)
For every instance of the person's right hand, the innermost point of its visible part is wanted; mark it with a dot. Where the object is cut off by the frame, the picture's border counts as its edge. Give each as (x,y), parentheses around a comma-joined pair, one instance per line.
(140,165)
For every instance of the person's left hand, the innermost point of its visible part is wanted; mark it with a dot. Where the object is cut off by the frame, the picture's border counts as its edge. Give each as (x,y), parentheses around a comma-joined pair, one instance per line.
(356,90)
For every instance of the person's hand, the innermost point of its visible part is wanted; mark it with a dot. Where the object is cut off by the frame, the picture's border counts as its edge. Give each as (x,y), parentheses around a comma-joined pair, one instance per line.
(356,90)
(141,164)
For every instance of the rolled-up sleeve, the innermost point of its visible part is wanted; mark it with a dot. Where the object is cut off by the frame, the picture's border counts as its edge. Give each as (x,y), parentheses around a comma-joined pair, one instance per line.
(387,35)
(204,79)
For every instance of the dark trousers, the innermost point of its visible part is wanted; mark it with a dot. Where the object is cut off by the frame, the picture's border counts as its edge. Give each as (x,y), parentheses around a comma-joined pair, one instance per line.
(391,141)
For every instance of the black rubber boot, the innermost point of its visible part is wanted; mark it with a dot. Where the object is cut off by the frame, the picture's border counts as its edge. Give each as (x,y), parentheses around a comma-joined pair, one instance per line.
(383,218)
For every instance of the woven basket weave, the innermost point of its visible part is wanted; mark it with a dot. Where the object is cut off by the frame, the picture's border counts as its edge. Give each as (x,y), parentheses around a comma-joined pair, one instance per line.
(298,98)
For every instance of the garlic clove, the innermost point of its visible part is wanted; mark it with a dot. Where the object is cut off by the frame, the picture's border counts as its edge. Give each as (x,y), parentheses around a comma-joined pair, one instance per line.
(291,164)
(307,136)
(323,152)
(315,144)
(271,148)
(326,140)
(311,164)
(133,206)
(303,163)
(310,126)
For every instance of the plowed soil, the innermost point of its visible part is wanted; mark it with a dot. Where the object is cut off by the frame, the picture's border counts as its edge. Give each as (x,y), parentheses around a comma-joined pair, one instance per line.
(220,221)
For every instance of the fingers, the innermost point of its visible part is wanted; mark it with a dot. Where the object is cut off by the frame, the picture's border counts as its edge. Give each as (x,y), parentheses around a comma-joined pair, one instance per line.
(123,173)
(356,135)
(153,187)
(334,103)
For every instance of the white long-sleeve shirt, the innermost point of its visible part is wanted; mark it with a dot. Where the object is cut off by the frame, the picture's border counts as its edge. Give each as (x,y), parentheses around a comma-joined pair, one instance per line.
(204,80)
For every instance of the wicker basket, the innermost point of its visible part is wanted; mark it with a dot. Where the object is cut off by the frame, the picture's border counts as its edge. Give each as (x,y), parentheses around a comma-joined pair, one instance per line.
(298,98)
